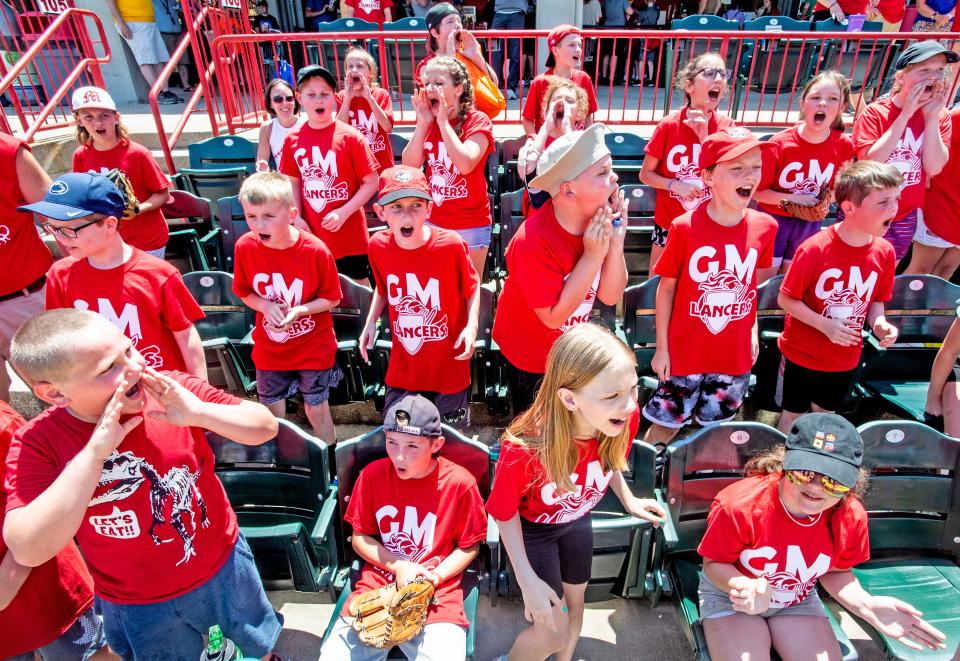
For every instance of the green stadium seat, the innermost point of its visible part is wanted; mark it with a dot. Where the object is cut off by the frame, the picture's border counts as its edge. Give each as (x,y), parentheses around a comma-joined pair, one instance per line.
(770,320)
(403,54)
(639,322)
(185,211)
(361,380)
(223,151)
(681,49)
(232,224)
(213,183)
(627,150)
(330,52)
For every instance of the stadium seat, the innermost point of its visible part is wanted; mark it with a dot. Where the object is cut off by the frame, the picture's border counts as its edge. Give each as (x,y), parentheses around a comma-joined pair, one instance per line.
(213,184)
(353,455)
(361,380)
(641,200)
(330,52)
(398,143)
(285,504)
(771,65)
(867,65)
(403,54)
(680,49)
(186,211)
(913,505)
(770,319)
(509,151)
(223,151)
(233,225)
(696,469)
(511,217)
(639,322)
(486,365)
(627,150)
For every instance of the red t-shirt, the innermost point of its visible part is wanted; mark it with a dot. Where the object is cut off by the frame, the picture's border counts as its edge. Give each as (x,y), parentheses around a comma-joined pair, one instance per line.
(362,119)
(533,106)
(749,527)
(714,308)
(521,483)
(849,7)
(795,165)
(369,10)
(941,206)
(158,474)
(460,201)
(23,256)
(540,258)
(330,163)
(835,280)
(426,291)
(144,297)
(302,273)
(417,77)
(422,521)
(55,594)
(873,122)
(892,11)
(147,231)
(677,149)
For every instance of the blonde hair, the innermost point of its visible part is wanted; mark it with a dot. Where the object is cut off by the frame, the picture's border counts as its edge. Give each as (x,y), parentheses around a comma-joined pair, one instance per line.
(555,83)
(689,72)
(859,179)
(458,76)
(83,135)
(44,347)
(842,83)
(265,187)
(576,358)
(771,463)
(356,51)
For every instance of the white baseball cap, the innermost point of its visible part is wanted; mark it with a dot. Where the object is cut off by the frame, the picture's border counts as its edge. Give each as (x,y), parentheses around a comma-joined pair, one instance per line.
(92,97)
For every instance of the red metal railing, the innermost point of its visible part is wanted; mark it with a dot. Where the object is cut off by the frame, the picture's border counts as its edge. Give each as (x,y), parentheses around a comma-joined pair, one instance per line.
(40,67)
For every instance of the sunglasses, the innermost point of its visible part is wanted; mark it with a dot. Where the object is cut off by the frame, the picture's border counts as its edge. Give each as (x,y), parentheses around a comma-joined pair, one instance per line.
(68,232)
(281,99)
(712,72)
(830,486)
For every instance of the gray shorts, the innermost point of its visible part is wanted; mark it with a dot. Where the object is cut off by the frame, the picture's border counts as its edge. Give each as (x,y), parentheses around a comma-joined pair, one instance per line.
(454,408)
(82,640)
(442,641)
(714,603)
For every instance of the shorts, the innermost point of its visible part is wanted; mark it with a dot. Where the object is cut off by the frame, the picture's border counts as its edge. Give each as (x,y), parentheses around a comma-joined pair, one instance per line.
(523,387)
(475,237)
(659,236)
(355,267)
(454,408)
(315,385)
(437,642)
(15,311)
(82,640)
(173,629)
(171,40)
(927,238)
(147,44)
(708,397)
(798,387)
(791,232)
(559,552)
(715,603)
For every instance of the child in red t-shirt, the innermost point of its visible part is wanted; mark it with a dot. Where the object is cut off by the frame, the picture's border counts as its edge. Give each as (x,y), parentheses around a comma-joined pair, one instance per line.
(105,145)
(672,156)
(565,57)
(120,462)
(936,245)
(52,604)
(706,301)
(374,11)
(143,296)
(366,106)
(910,130)
(289,277)
(838,282)
(415,515)
(332,173)
(452,139)
(805,160)
(794,521)
(424,275)
(556,462)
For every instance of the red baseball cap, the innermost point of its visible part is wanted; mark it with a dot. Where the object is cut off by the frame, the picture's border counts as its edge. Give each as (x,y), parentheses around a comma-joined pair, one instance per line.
(402,181)
(728,144)
(557,35)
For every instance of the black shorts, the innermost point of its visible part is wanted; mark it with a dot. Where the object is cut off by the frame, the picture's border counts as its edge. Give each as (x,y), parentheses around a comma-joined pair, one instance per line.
(798,387)
(454,408)
(559,552)
(355,267)
(523,387)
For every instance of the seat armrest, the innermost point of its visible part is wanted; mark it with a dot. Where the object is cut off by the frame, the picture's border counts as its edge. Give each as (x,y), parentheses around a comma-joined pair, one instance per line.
(324,524)
(668,529)
(493,544)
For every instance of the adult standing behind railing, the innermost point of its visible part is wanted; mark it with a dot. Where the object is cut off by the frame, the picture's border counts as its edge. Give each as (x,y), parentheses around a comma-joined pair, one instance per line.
(136,23)
(509,15)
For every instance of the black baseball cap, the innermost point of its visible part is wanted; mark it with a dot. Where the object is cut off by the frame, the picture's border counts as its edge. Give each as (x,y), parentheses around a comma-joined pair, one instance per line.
(825,443)
(312,70)
(413,414)
(439,12)
(924,50)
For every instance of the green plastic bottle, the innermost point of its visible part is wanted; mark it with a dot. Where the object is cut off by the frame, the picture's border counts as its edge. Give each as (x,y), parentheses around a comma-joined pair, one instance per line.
(220,648)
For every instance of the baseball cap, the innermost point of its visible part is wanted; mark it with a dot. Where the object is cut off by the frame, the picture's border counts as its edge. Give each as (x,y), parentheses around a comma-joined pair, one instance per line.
(92,97)
(826,443)
(439,12)
(402,181)
(413,414)
(924,50)
(557,35)
(569,156)
(312,70)
(79,194)
(728,144)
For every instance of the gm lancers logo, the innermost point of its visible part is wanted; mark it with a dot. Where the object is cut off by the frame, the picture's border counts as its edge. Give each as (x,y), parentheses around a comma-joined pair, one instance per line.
(726,293)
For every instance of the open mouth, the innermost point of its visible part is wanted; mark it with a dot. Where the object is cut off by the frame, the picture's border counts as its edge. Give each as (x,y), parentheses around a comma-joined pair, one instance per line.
(559,115)
(406,231)
(713,95)
(264,237)
(745,192)
(887,223)
(819,117)
(321,112)
(618,422)
(134,391)
(434,103)
(929,88)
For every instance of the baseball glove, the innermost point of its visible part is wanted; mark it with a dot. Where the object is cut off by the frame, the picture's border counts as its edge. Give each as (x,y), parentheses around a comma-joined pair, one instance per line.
(816,211)
(391,615)
(119,179)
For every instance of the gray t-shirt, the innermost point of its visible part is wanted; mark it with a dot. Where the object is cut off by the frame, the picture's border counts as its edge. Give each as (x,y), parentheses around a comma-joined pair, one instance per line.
(614,12)
(510,6)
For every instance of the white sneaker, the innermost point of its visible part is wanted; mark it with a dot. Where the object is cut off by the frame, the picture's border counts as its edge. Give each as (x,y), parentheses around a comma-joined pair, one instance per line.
(511,95)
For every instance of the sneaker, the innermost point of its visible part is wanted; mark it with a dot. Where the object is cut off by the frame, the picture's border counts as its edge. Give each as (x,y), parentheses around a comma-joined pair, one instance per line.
(634,82)
(168,98)
(511,95)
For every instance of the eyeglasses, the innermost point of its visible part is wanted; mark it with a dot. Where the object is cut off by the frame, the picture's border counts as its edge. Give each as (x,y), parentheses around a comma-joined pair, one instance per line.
(712,72)
(281,99)
(830,486)
(68,232)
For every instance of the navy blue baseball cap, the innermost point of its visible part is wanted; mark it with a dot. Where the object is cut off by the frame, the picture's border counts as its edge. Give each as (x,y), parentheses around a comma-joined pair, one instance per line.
(79,194)
(315,70)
